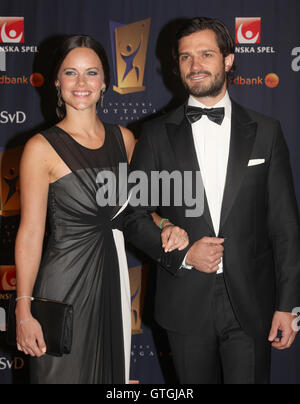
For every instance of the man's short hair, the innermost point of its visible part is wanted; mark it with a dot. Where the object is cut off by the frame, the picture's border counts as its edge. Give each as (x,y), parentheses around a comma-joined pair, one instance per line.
(224,38)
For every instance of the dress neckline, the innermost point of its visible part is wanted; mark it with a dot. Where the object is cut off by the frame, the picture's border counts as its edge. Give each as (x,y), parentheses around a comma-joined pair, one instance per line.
(79,144)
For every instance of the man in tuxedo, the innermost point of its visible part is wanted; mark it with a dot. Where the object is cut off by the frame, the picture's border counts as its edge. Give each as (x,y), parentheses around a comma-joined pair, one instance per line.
(229,296)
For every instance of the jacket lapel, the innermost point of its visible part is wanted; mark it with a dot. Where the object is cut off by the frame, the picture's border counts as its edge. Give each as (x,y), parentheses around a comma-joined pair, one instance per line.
(181,139)
(243,134)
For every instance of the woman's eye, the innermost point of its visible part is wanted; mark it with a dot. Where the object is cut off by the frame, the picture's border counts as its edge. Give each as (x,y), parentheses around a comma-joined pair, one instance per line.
(93,73)
(69,73)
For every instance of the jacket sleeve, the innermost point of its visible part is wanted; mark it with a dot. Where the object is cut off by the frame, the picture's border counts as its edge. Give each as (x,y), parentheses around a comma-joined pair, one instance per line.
(284,225)
(139,227)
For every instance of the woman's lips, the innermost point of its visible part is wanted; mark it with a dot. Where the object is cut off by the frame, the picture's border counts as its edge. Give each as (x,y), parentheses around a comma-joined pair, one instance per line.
(81,93)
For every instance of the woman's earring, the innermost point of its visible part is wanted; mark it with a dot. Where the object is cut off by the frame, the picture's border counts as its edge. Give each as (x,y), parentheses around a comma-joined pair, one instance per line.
(102,97)
(60,100)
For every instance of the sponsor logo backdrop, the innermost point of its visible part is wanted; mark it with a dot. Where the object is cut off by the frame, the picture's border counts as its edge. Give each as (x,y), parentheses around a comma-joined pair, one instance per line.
(136,36)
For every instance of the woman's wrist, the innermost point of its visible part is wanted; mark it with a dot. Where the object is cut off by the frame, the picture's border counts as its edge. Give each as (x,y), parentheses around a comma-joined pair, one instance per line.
(165,223)
(23,307)
(23,297)
(23,316)
(169,224)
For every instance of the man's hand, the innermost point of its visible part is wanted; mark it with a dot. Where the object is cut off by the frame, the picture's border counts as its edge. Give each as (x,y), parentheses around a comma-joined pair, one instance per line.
(282,322)
(206,254)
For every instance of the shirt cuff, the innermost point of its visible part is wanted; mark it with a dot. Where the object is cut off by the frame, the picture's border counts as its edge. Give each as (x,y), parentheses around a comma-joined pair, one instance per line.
(186,266)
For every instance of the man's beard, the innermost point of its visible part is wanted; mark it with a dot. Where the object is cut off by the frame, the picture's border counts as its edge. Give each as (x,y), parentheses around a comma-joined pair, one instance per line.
(213,89)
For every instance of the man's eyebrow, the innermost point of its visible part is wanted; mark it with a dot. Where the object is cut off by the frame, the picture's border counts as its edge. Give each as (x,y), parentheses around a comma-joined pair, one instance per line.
(199,51)
(209,50)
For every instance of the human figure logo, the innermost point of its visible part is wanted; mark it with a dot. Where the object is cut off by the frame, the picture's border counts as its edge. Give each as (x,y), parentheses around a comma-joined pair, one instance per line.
(130,44)
(136,276)
(9,189)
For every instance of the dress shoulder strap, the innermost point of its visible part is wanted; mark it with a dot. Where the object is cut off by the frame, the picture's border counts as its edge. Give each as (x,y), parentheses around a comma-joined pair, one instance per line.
(116,138)
(78,160)
(65,148)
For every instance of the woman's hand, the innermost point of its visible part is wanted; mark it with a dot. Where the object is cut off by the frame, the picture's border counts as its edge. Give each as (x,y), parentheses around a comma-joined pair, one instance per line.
(30,338)
(174,238)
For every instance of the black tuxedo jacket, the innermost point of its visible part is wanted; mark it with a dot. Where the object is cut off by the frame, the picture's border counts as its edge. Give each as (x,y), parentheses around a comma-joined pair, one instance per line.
(259,218)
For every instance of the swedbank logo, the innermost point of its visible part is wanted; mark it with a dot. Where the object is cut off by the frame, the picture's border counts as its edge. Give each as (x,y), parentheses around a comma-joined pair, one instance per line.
(35,79)
(271,80)
(129,45)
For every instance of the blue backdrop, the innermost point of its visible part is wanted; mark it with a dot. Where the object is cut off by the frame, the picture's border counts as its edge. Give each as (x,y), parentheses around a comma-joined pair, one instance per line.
(268,80)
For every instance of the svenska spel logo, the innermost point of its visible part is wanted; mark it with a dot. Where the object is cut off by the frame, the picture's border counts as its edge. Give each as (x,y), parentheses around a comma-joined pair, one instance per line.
(248,30)
(12,30)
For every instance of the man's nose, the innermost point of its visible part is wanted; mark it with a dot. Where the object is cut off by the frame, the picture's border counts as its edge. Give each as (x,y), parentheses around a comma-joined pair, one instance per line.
(197,64)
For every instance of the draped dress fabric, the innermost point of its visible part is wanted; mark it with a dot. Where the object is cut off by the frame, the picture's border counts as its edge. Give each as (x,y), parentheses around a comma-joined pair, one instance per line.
(85,265)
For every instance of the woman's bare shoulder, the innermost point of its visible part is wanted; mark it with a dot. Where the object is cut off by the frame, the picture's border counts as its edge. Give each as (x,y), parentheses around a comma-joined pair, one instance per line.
(38,150)
(38,145)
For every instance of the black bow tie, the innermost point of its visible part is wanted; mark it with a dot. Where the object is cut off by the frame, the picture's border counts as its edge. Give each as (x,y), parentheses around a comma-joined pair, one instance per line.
(216,115)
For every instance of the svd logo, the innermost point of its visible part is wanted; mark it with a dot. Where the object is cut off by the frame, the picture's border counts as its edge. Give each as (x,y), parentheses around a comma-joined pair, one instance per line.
(248,30)
(11,29)
(129,43)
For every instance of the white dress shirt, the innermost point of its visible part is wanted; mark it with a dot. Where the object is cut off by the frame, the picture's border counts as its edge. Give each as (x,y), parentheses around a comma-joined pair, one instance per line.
(212,143)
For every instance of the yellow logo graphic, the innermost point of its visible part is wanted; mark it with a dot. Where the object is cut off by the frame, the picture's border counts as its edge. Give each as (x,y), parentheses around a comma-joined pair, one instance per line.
(138,279)
(130,44)
(9,185)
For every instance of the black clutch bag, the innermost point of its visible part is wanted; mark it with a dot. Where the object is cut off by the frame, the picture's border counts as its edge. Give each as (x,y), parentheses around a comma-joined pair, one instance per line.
(56,320)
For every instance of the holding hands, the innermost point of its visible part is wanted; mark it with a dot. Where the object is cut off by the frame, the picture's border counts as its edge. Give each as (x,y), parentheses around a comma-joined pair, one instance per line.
(173,238)
(205,255)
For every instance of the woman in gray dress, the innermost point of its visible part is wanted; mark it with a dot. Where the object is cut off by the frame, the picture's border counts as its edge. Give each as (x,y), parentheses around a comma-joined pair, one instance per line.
(84,263)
